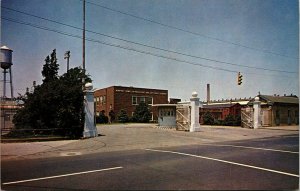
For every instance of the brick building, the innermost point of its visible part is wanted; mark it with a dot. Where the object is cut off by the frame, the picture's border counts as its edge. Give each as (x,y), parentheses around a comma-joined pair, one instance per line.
(220,111)
(115,98)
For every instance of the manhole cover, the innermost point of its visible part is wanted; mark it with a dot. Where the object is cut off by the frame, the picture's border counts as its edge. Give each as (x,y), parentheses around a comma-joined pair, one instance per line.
(70,153)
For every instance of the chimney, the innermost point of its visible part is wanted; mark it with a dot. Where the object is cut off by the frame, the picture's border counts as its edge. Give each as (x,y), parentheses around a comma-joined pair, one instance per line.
(208,93)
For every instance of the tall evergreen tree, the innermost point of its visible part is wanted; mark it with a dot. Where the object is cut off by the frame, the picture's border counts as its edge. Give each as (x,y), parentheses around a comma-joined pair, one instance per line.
(142,113)
(57,103)
(50,68)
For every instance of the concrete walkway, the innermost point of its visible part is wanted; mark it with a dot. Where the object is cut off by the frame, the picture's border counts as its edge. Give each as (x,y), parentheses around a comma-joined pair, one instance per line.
(118,137)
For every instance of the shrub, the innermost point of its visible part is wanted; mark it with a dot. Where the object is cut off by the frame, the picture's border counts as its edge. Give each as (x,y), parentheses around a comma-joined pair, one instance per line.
(208,118)
(142,113)
(122,116)
(231,120)
(102,118)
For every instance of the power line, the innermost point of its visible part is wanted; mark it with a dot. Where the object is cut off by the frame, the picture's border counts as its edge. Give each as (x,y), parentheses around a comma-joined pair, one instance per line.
(129,48)
(190,32)
(145,45)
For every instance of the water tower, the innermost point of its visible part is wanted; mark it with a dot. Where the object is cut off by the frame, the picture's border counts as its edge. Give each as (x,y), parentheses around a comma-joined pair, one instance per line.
(6,62)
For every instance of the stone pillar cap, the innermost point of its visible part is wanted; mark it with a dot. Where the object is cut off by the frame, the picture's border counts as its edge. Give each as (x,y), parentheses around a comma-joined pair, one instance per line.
(88,86)
(194,94)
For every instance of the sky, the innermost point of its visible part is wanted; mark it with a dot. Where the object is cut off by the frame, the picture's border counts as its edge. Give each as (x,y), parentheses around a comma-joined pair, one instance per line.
(178,45)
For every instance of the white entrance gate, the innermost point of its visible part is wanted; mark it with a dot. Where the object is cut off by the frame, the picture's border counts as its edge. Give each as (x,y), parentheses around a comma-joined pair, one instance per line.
(247,117)
(183,117)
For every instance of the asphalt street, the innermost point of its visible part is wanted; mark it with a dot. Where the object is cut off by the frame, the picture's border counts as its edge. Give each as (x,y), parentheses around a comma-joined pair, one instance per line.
(261,163)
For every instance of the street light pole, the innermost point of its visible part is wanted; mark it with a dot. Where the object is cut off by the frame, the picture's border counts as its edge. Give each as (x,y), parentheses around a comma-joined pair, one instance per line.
(67,56)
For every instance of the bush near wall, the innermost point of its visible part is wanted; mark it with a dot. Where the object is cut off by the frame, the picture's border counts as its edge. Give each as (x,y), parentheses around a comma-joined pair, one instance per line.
(229,120)
(122,116)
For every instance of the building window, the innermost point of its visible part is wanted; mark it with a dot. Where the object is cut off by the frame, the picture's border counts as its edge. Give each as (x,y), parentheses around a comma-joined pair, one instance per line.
(142,100)
(96,99)
(104,100)
(166,112)
(101,100)
(149,100)
(134,100)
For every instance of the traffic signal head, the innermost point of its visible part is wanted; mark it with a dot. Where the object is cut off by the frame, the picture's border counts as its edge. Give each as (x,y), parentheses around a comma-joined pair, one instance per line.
(240,78)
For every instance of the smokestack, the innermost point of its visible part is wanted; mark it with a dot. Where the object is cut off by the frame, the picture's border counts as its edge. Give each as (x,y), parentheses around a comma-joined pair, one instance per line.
(208,93)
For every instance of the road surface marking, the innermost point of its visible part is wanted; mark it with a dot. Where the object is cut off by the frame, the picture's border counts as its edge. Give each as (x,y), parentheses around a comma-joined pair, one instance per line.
(64,175)
(224,161)
(258,148)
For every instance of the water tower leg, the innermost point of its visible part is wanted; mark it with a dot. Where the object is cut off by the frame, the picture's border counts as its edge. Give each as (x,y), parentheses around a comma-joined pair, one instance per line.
(11,84)
(4,83)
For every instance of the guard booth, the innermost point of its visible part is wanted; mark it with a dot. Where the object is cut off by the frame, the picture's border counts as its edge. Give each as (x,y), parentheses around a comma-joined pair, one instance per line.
(166,115)
(182,116)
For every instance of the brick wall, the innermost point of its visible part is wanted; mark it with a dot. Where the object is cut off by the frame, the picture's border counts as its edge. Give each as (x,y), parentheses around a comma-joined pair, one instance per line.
(119,97)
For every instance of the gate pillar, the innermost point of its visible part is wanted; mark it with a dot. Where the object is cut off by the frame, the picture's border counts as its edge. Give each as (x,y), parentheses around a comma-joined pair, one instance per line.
(256,114)
(90,129)
(195,103)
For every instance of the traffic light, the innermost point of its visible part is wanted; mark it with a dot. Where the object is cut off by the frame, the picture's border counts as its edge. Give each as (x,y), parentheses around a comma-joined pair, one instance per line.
(240,78)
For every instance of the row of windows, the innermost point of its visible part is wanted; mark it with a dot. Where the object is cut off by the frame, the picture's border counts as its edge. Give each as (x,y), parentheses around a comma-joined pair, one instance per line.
(167,112)
(100,100)
(98,114)
(140,99)
(143,92)
(135,100)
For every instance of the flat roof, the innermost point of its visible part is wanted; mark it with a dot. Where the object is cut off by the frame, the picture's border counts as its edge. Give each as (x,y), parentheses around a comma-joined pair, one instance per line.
(164,105)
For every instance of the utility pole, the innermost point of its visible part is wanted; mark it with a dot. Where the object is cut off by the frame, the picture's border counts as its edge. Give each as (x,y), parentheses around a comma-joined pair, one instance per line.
(83,39)
(67,56)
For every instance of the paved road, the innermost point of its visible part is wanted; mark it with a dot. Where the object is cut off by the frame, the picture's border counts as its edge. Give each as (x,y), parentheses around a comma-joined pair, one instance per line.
(136,136)
(257,163)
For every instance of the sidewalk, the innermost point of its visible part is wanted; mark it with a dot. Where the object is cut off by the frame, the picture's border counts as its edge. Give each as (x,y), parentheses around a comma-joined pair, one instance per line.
(117,137)
(15,150)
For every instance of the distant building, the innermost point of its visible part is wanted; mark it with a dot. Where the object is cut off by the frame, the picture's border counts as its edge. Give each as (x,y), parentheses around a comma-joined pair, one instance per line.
(221,110)
(174,100)
(276,110)
(116,98)
(8,108)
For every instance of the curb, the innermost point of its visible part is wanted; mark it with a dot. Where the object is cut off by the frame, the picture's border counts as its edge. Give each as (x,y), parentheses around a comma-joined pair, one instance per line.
(34,139)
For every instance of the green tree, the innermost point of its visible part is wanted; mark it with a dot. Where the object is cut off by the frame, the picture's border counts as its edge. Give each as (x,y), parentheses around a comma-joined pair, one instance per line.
(70,113)
(55,104)
(122,116)
(142,113)
(50,68)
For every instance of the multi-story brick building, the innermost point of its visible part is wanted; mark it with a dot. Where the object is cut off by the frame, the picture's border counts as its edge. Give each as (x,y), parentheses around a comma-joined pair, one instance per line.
(115,98)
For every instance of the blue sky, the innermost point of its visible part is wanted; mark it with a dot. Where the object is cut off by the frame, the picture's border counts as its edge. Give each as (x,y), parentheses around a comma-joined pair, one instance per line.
(240,35)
